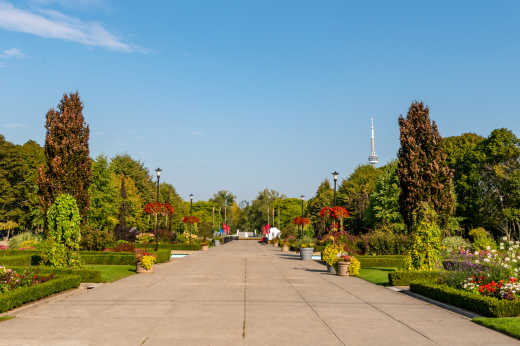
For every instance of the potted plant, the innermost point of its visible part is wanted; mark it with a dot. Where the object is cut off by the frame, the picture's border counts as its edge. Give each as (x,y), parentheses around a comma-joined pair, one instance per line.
(275,242)
(145,262)
(216,241)
(344,266)
(306,250)
(285,246)
(331,256)
(205,246)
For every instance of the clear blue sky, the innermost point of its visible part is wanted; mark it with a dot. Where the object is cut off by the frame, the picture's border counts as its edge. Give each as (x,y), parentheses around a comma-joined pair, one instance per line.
(243,95)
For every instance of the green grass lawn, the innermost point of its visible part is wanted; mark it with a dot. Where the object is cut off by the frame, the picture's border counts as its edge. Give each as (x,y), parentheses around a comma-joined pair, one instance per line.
(506,325)
(376,275)
(111,273)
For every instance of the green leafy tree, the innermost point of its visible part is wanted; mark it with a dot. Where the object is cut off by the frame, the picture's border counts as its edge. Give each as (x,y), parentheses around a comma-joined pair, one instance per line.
(103,197)
(323,198)
(423,171)
(67,168)
(63,233)
(354,194)
(384,200)
(18,171)
(124,165)
(133,205)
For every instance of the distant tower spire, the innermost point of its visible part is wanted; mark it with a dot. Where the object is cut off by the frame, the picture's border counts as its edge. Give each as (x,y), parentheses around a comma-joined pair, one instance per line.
(372,159)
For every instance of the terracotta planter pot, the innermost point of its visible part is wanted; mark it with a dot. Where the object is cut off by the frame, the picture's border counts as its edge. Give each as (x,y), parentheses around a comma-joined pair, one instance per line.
(140,269)
(343,268)
(205,247)
(276,244)
(285,248)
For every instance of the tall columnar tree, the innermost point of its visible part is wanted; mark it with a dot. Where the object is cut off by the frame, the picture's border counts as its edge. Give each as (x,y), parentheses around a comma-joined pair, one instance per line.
(67,168)
(423,171)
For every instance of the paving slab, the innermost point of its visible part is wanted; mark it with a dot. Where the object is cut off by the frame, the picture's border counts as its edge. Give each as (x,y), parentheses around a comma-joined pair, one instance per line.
(242,293)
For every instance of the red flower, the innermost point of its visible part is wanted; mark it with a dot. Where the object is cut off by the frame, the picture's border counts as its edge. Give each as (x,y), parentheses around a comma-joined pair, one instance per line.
(301,220)
(191,219)
(154,208)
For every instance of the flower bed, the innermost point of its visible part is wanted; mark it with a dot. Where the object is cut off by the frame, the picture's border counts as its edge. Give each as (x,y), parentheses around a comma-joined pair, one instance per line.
(22,295)
(483,305)
(12,279)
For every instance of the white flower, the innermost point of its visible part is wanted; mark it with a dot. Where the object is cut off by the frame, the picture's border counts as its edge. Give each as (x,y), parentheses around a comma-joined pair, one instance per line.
(514,260)
(488,247)
(476,253)
(507,259)
(486,259)
(494,251)
(504,238)
(477,261)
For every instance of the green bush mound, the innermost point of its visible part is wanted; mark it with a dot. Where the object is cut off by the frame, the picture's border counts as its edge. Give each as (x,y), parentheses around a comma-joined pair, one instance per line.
(404,278)
(389,261)
(482,305)
(115,258)
(20,296)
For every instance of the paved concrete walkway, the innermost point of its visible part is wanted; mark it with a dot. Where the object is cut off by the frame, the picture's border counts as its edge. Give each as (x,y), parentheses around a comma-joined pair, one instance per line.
(242,293)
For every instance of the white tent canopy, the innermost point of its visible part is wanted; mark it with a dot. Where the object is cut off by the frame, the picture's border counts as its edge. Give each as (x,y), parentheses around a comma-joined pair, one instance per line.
(273,233)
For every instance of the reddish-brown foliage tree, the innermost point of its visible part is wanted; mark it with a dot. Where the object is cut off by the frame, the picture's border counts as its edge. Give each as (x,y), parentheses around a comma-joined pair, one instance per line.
(67,168)
(423,171)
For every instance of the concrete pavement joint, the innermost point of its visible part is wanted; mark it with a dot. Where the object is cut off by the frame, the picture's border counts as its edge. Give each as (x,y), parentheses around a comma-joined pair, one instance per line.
(379,310)
(245,299)
(310,306)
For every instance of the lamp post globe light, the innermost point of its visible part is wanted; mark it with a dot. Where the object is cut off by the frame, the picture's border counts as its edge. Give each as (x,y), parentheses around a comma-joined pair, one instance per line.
(158,173)
(335,176)
(191,202)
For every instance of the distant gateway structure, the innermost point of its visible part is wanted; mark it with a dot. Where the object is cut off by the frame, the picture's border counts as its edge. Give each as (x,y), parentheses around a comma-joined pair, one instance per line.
(372,159)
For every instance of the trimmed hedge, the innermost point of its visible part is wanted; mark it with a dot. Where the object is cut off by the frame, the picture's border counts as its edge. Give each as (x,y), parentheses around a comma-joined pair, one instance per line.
(403,278)
(85,275)
(20,260)
(390,261)
(115,258)
(18,252)
(20,296)
(482,305)
(163,256)
(192,247)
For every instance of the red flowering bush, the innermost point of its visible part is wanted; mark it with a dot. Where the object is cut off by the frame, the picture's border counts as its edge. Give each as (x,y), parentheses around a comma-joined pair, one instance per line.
(190,219)
(156,208)
(301,220)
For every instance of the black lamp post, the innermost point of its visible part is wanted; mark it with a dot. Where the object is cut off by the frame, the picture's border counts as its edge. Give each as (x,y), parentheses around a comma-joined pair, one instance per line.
(191,205)
(158,173)
(335,176)
(302,197)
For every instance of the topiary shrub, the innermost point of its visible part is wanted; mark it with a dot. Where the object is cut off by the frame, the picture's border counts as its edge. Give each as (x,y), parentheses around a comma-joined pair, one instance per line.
(61,247)
(426,242)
